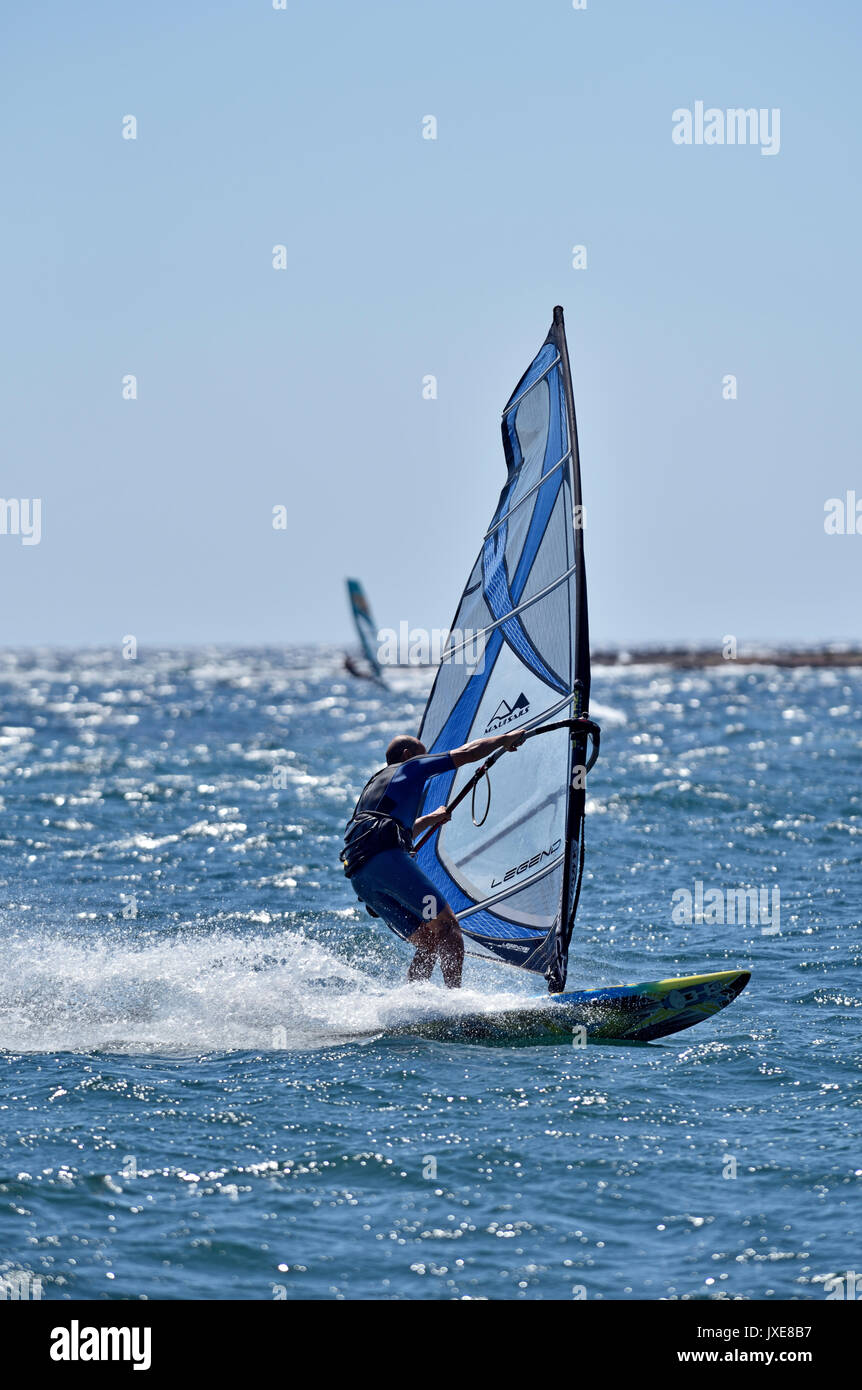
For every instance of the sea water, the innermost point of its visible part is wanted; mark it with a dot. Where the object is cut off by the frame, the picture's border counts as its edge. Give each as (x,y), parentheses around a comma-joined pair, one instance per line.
(201,1092)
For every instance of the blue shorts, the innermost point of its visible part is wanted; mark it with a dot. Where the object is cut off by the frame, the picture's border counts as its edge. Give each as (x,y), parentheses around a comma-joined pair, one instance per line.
(393,886)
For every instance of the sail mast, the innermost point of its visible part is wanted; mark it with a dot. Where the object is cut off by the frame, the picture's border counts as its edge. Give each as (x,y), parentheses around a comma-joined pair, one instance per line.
(574,864)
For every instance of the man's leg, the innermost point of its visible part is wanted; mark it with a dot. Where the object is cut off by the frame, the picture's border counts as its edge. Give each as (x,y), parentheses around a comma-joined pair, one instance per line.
(452,952)
(422,964)
(441,936)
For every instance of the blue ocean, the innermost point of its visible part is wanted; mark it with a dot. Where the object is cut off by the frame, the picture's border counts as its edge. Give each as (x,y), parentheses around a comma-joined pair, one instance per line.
(204,1093)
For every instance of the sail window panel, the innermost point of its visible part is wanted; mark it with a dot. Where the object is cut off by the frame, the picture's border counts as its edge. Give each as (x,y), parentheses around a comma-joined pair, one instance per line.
(514,532)
(453,677)
(473,612)
(555,553)
(532,420)
(514,695)
(455,674)
(548,626)
(529,796)
(520,526)
(533,903)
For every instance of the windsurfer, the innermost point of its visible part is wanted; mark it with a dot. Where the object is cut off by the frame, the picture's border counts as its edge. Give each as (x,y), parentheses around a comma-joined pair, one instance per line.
(351,665)
(378,843)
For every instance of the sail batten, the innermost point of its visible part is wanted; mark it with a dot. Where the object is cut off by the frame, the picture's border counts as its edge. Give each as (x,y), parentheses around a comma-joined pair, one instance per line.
(501,897)
(527,495)
(517,400)
(512,613)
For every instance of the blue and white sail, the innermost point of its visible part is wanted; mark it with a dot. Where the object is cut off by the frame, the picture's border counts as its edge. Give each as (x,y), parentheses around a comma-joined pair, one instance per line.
(366,628)
(514,881)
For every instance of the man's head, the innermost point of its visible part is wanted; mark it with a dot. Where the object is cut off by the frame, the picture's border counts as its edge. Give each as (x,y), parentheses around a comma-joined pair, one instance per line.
(402,748)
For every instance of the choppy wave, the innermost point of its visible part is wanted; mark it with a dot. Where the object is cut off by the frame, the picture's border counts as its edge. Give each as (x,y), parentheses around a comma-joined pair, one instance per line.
(208,991)
(199,1027)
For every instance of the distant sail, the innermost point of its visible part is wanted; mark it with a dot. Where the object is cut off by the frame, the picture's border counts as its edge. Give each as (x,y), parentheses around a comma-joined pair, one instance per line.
(514,882)
(366,627)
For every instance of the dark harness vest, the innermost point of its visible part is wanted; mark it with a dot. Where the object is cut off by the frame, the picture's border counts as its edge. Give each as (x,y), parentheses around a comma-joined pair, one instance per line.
(372,828)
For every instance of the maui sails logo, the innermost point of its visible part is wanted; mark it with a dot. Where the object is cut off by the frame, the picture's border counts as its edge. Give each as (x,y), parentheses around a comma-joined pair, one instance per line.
(507,714)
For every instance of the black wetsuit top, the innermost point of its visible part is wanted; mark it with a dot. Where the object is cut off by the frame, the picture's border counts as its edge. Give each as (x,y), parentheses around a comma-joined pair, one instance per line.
(387,807)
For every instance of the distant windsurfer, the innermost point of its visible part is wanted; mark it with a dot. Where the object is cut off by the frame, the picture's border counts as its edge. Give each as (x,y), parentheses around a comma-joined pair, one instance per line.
(351,665)
(378,845)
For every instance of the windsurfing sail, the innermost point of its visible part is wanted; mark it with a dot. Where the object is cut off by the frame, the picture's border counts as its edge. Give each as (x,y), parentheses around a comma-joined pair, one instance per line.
(518,657)
(366,627)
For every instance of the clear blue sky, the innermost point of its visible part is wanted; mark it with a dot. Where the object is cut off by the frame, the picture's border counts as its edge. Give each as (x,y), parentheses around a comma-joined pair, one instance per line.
(408,257)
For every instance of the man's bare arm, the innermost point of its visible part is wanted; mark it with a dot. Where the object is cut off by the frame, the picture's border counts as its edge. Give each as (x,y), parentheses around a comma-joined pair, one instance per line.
(432,819)
(483,748)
